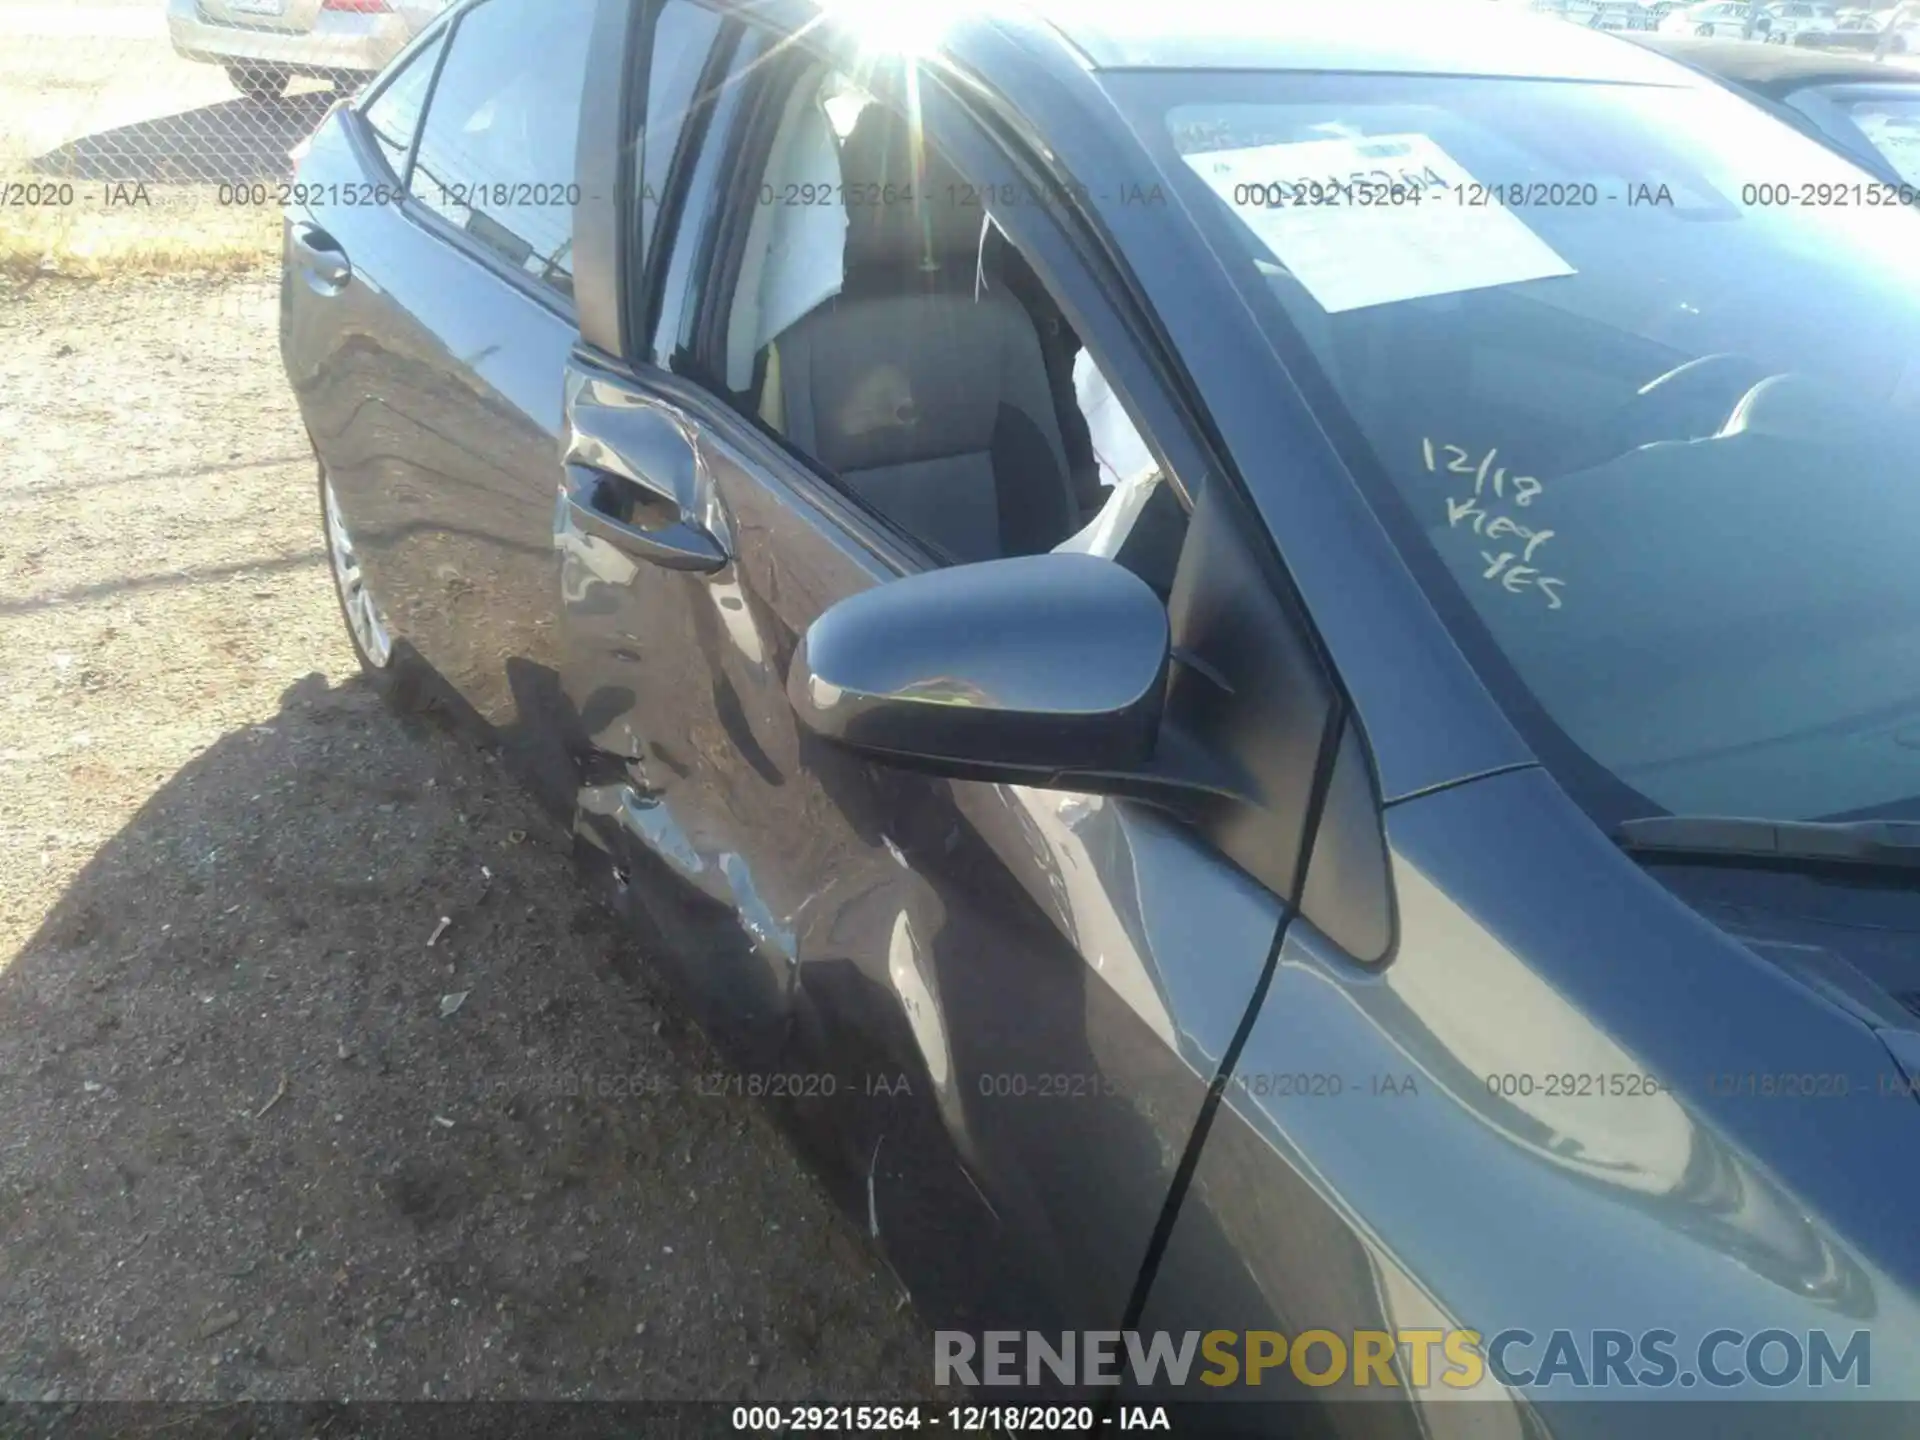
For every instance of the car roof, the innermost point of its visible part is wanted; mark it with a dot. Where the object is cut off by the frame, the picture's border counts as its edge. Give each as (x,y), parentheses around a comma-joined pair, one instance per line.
(1427,37)
(1774,69)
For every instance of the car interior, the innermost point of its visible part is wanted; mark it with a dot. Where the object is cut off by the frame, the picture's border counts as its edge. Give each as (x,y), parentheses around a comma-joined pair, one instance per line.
(884,327)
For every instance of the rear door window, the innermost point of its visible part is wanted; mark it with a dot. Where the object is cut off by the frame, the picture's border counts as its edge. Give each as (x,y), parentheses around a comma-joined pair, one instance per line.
(393,115)
(496,155)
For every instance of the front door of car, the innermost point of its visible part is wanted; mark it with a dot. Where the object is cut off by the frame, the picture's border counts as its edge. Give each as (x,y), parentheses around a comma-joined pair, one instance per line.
(992,1012)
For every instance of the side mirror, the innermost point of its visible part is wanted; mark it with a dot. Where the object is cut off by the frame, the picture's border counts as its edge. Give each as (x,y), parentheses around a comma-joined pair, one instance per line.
(1024,670)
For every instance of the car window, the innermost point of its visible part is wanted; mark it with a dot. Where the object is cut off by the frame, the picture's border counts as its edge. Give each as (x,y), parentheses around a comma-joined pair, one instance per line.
(496,153)
(683,38)
(393,115)
(1648,429)
(1892,126)
(880,324)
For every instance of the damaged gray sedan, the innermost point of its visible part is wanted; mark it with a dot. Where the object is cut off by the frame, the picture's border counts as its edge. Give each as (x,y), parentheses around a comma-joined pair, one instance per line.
(1257,668)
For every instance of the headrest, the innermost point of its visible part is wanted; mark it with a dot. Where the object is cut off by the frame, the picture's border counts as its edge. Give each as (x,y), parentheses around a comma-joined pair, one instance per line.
(907,208)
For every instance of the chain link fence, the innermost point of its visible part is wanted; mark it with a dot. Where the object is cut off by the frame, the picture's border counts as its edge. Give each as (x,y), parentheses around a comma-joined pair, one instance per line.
(152,135)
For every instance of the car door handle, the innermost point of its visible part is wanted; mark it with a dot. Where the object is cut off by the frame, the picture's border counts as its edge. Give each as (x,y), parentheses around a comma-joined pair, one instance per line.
(322,260)
(678,545)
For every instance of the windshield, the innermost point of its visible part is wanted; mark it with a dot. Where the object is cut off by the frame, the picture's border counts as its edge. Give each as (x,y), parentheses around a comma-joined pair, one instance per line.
(1632,375)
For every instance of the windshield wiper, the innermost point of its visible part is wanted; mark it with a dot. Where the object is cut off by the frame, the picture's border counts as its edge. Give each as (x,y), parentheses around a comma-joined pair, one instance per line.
(1894,843)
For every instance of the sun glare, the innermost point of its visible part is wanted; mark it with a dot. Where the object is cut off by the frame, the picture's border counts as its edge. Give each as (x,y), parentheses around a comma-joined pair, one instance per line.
(893,27)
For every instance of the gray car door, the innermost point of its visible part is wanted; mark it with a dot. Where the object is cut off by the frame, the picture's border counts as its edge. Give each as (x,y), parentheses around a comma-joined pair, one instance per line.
(993,1013)
(431,319)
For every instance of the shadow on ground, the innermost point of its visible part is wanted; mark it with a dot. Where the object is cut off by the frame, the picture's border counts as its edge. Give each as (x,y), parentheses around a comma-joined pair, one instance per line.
(232,142)
(322,1079)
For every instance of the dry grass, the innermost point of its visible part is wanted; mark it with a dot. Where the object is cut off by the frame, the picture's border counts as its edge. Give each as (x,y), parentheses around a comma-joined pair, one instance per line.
(181,231)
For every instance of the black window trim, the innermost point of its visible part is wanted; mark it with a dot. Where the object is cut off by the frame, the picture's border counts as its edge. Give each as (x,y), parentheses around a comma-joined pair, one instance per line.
(640,301)
(448,21)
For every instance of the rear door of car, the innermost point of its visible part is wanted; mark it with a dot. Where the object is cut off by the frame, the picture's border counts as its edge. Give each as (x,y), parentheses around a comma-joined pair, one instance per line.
(430,315)
(995,1012)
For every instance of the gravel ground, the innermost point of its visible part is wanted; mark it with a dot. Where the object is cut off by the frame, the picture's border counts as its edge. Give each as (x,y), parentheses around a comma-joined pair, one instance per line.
(253,1142)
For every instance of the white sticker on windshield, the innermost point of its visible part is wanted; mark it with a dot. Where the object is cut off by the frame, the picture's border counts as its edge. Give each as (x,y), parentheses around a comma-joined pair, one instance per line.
(1343,216)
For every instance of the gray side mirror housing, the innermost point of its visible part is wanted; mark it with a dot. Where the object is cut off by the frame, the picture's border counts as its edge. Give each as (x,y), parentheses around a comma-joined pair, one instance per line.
(1019,669)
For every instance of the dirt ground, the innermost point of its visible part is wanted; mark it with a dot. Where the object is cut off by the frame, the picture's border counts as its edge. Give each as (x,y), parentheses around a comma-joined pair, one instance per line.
(319,1075)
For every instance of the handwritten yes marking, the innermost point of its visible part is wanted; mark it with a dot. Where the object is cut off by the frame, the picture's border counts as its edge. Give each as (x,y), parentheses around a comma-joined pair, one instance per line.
(1492,524)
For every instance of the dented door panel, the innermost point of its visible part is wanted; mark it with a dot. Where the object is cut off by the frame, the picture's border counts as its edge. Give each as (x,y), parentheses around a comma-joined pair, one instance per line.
(990,1014)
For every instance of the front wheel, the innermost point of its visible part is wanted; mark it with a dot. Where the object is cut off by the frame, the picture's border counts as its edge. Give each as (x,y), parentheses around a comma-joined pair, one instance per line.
(1704,31)
(259,83)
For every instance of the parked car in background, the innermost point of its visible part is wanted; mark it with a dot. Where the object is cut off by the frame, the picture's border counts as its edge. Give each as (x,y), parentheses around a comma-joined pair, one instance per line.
(1600,14)
(264,43)
(1797,17)
(1718,19)
(1866,111)
(1621,15)
(1856,31)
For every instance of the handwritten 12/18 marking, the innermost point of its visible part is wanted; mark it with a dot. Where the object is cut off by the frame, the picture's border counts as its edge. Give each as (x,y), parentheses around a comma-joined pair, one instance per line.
(1492,525)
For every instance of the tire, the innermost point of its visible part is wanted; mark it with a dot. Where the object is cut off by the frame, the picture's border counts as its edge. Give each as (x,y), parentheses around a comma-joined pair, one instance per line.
(389,666)
(1704,31)
(261,84)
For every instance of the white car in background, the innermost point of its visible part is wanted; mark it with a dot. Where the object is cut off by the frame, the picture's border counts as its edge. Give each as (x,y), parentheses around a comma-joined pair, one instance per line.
(1717,19)
(1865,31)
(264,43)
(1597,14)
(1796,18)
